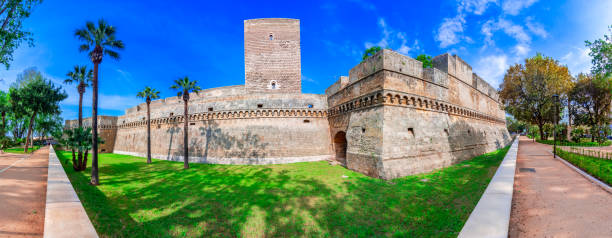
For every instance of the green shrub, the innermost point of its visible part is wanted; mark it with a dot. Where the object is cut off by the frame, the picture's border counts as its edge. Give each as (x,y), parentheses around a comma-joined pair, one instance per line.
(597,167)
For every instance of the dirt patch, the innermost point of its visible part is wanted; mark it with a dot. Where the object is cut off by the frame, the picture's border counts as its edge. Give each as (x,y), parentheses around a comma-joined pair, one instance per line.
(556,201)
(23,189)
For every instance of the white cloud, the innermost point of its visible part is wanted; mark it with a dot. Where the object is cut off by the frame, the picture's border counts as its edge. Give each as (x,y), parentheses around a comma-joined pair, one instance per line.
(521,50)
(392,38)
(577,60)
(450,31)
(477,7)
(513,7)
(492,68)
(309,79)
(536,28)
(515,31)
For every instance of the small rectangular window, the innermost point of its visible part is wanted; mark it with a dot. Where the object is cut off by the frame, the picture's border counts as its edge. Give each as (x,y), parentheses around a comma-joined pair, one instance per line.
(306,121)
(309,105)
(192,123)
(210,109)
(172,114)
(259,105)
(411,132)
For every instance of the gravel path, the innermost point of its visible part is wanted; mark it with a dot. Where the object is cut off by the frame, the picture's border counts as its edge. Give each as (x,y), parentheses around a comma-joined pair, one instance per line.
(554,200)
(23,188)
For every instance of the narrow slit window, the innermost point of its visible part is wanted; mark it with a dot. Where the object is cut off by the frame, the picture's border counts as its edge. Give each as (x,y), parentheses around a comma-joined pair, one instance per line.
(411,131)
(192,123)
(271,36)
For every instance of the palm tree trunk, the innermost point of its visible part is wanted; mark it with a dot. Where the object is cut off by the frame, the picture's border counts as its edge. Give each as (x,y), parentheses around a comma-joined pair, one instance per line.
(148,132)
(94,128)
(84,164)
(75,166)
(185,137)
(28,139)
(80,153)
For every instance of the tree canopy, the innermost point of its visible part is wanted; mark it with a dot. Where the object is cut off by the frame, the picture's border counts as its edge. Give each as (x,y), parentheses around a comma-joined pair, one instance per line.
(527,90)
(601,54)
(370,52)
(426,59)
(12,14)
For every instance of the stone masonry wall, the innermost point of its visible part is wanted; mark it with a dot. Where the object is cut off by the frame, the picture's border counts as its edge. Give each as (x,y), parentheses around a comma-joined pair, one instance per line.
(401,119)
(272,55)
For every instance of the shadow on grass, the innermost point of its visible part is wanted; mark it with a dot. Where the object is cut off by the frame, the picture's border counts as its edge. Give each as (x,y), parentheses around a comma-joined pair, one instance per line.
(303,199)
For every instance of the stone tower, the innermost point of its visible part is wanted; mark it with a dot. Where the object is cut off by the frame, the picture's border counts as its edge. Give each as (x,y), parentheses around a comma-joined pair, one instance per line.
(272,61)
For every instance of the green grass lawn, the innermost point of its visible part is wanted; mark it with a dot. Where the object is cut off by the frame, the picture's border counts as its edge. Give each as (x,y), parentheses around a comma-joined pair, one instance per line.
(19,150)
(302,199)
(597,167)
(582,143)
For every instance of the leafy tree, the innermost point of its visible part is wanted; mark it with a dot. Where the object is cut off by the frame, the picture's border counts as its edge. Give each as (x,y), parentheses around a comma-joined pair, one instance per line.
(370,52)
(5,108)
(148,93)
(101,39)
(46,123)
(515,126)
(527,90)
(601,53)
(17,125)
(12,14)
(533,131)
(184,87)
(590,99)
(426,59)
(36,96)
(82,78)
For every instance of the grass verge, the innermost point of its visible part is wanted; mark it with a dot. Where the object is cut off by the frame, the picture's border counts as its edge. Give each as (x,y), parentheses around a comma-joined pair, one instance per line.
(581,144)
(597,167)
(19,150)
(312,199)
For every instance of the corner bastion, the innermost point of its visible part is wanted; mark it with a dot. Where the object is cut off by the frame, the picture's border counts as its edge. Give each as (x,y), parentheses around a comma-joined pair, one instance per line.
(388,118)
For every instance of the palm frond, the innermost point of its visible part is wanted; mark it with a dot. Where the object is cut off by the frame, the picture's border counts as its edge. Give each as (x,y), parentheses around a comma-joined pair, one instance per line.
(112,54)
(83,47)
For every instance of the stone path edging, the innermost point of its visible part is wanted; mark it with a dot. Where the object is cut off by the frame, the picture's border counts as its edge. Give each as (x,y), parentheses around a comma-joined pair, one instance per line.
(64,213)
(491,216)
(594,180)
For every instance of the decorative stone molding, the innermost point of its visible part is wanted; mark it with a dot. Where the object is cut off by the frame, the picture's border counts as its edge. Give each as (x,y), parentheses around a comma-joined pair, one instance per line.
(391,98)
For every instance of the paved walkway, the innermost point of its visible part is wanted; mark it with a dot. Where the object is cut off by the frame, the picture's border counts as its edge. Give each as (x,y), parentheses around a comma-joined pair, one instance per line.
(23,188)
(554,200)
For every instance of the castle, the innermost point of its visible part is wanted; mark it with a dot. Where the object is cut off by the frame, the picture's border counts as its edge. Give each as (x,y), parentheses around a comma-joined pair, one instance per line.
(388,118)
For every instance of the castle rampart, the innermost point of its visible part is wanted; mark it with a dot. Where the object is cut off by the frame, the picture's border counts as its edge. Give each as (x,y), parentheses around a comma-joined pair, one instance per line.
(388,118)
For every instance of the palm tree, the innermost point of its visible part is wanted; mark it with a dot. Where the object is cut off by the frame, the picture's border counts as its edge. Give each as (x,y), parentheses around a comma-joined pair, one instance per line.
(184,87)
(148,93)
(103,40)
(82,77)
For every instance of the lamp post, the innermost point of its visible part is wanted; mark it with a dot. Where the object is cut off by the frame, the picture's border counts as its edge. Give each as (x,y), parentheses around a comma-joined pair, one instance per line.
(555,102)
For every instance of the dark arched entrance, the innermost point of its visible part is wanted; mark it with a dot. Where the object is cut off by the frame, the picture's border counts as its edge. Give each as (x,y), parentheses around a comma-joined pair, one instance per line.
(340,147)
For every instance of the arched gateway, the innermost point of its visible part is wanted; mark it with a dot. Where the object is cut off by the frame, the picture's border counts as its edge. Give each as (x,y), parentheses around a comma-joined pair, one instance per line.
(340,147)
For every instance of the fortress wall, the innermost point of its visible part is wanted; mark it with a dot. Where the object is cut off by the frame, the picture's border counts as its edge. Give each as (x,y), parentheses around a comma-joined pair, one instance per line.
(200,104)
(234,141)
(418,120)
(272,53)
(107,130)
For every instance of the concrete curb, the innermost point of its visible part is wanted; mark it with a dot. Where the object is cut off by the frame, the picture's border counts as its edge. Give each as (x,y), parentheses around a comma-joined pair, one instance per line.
(594,180)
(491,217)
(64,213)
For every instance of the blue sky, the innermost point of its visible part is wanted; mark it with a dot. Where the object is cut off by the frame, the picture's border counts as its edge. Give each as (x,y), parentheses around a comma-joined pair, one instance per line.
(204,40)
